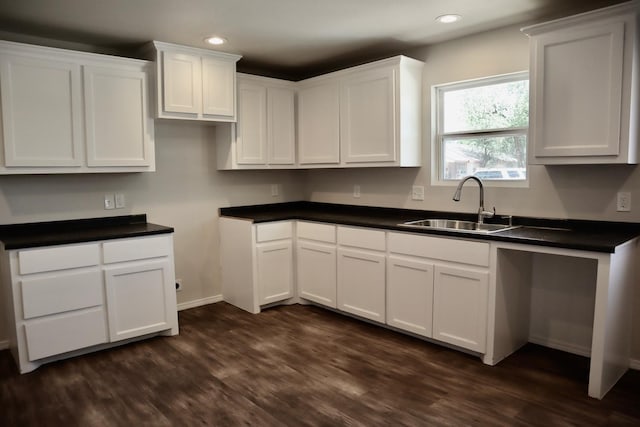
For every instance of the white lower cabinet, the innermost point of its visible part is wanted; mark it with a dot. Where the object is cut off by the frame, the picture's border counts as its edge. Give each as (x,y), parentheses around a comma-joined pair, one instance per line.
(317,263)
(410,294)
(140,299)
(56,300)
(460,297)
(361,272)
(439,287)
(275,267)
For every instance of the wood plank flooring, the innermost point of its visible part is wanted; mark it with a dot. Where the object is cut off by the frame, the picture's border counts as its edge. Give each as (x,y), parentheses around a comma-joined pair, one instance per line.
(305,366)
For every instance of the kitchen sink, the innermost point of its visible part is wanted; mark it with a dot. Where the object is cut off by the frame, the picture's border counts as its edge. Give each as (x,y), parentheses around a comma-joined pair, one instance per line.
(455,225)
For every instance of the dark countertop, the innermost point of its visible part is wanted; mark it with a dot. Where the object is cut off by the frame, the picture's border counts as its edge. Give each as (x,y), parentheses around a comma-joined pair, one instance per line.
(35,234)
(597,236)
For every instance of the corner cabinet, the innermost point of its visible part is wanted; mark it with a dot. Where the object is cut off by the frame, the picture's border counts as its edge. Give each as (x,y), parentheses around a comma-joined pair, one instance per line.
(583,93)
(72,112)
(264,136)
(366,116)
(195,84)
(257,262)
(89,296)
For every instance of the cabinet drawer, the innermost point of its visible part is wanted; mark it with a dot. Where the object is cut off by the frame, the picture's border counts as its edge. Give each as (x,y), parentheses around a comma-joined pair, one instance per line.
(314,231)
(138,248)
(462,251)
(64,333)
(60,293)
(362,238)
(58,258)
(274,231)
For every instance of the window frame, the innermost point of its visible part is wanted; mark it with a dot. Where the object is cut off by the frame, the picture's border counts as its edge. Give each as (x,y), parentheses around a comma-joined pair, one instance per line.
(438,137)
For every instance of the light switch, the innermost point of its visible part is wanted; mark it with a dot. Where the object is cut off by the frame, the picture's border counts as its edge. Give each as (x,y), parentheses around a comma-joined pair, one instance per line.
(120,201)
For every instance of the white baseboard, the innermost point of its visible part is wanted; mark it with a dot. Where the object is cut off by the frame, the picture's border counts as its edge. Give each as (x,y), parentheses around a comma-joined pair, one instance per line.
(561,345)
(199,302)
(634,364)
(4,344)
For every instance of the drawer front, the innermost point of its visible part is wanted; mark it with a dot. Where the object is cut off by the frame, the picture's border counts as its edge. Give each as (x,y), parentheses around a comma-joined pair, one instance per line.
(314,231)
(72,331)
(362,238)
(58,258)
(138,248)
(60,293)
(274,231)
(462,251)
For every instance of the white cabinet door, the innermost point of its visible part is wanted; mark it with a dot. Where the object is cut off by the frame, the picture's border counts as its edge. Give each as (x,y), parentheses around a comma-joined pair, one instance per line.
(116,116)
(274,271)
(281,126)
(317,274)
(218,88)
(41,111)
(460,299)
(361,283)
(410,295)
(368,116)
(141,299)
(251,128)
(583,102)
(182,82)
(578,91)
(319,124)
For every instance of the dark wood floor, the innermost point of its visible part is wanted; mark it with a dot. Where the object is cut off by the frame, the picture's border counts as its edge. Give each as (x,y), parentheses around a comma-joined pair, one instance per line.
(305,366)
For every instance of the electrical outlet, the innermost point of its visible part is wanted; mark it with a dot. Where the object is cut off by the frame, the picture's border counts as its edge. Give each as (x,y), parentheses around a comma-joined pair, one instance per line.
(120,201)
(356,191)
(274,190)
(178,285)
(109,201)
(417,192)
(624,201)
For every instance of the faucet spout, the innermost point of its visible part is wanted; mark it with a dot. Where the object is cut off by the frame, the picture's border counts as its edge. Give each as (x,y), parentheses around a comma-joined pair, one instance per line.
(482,214)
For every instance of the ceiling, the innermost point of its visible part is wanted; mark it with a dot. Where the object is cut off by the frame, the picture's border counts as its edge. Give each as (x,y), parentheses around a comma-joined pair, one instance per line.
(294,38)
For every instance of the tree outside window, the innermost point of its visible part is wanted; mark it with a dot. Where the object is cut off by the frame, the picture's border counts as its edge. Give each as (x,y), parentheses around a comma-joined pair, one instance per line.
(482,128)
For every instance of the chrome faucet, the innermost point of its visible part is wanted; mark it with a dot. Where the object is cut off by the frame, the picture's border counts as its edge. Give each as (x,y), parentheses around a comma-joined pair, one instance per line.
(482,214)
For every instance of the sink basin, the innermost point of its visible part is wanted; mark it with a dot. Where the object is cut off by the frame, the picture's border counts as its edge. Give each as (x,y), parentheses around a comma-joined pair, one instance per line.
(455,225)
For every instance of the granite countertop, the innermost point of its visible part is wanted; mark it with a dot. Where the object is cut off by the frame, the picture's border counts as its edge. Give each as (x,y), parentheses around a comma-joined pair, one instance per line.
(30,235)
(597,236)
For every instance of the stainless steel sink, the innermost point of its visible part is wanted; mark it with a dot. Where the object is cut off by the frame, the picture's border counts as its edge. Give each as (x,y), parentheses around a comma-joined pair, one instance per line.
(455,225)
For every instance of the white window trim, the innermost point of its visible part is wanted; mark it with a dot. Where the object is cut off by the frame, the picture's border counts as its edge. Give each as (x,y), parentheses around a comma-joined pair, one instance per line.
(437,122)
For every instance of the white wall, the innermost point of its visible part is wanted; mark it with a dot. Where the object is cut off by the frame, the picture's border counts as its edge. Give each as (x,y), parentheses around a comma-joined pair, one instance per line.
(185,193)
(580,192)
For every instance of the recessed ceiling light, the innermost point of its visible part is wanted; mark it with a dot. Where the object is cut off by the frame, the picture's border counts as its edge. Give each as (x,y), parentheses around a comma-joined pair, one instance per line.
(448,19)
(215,40)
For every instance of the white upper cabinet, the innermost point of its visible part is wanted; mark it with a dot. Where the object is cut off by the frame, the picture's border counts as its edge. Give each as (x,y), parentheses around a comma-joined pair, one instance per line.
(73,112)
(264,136)
(368,126)
(583,73)
(116,117)
(363,116)
(46,92)
(319,123)
(195,84)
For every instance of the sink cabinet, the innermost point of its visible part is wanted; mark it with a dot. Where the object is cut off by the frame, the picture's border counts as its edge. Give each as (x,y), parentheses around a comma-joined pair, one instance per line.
(584,71)
(88,296)
(73,112)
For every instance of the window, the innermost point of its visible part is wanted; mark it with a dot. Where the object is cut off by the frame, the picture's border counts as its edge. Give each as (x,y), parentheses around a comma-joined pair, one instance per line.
(481,128)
